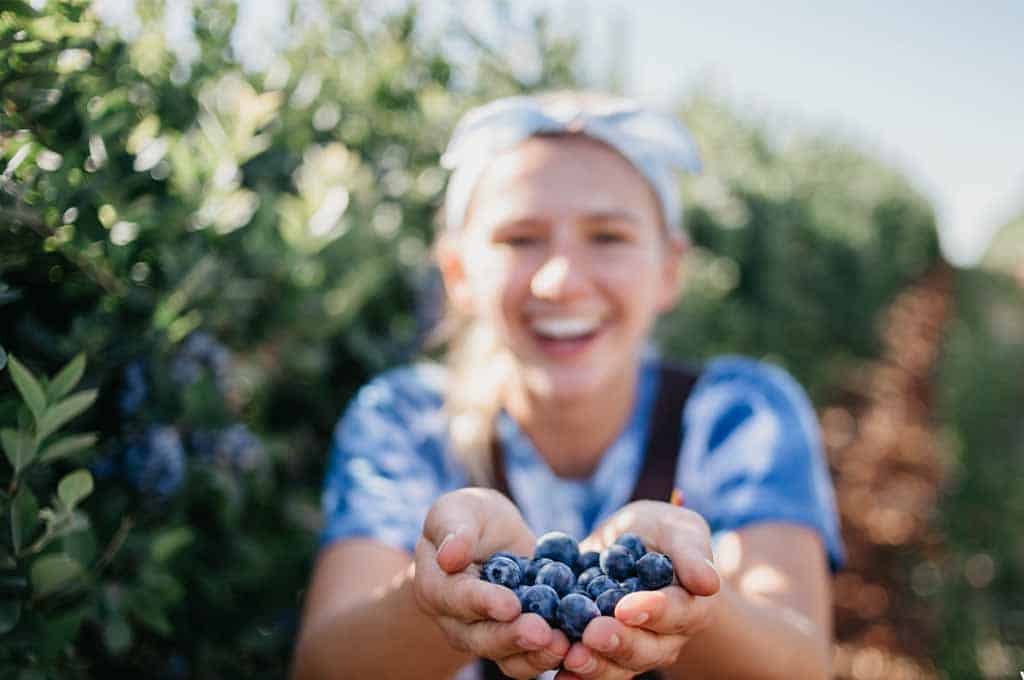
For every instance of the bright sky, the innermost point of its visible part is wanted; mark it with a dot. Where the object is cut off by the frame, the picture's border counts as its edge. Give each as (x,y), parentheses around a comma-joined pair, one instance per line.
(935,89)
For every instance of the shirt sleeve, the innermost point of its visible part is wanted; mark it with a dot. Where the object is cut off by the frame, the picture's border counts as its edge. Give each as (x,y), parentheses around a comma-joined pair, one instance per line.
(752,452)
(385,465)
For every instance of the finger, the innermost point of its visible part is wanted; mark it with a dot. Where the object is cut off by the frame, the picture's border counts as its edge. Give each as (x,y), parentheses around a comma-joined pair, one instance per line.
(519,666)
(622,647)
(469,525)
(532,664)
(463,595)
(669,611)
(687,540)
(586,664)
(696,572)
(496,640)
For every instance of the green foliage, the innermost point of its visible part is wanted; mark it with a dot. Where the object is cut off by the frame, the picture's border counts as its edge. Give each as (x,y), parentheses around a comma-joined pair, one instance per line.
(235,252)
(801,241)
(41,578)
(981,579)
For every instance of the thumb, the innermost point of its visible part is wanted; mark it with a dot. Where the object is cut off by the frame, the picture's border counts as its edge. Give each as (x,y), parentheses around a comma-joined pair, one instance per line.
(455,524)
(456,550)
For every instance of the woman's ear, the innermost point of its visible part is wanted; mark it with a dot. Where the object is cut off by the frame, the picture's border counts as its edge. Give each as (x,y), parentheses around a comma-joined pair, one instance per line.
(672,275)
(453,273)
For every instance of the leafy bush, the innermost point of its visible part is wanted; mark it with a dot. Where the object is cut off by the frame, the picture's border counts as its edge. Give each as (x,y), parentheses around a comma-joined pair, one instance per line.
(235,252)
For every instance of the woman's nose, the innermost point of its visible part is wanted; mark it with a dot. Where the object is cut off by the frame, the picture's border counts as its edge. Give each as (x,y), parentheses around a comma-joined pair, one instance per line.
(559,277)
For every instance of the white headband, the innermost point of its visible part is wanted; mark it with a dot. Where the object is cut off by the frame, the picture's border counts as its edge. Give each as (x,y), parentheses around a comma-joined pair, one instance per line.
(653,142)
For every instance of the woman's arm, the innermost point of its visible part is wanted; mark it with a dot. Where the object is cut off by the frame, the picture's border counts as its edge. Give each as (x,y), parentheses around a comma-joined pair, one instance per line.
(772,617)
(374,612)
(361,619)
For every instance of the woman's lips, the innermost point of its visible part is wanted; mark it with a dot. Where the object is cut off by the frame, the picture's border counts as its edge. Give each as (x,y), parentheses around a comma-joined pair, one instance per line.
(565,348)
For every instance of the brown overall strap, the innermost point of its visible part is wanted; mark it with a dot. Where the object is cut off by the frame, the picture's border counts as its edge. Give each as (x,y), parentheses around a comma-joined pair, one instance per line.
(657,475)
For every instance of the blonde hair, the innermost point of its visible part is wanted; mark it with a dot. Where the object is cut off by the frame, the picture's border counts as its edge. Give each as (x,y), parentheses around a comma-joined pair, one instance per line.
(478,365)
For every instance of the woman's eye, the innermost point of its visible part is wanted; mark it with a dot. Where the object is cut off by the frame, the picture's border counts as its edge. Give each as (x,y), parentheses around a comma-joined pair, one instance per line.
(608,237)
(520,241)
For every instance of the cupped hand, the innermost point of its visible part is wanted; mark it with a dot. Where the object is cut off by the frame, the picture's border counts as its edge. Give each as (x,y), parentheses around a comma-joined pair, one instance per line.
(464,528)
(649,628)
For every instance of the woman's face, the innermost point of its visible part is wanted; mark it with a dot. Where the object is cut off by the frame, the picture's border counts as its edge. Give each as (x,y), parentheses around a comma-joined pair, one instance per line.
(563,255)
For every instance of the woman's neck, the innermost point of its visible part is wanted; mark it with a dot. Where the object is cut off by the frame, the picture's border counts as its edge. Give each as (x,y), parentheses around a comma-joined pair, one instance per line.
(572,435)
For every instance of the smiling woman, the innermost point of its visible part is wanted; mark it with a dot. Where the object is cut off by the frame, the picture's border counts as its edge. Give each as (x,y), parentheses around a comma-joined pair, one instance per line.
(561,247)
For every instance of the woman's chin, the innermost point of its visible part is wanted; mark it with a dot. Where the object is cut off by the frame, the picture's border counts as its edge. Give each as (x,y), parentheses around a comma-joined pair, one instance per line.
(564,384)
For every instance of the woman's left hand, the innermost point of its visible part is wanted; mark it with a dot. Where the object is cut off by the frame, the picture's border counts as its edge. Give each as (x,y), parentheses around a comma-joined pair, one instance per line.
(650,627)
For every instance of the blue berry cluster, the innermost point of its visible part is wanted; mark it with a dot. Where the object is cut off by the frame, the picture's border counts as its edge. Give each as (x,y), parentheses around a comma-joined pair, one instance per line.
(155,462)
(235,447)
(568,588)
(202,351)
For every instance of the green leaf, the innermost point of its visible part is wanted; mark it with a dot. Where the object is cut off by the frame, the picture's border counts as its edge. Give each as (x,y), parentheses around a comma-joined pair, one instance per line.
(150,613)
(50,572)
(24,518)
(65,446)
(170,541)
(59,632)
(10,612)
(66,380)
(75,487)
(80,546)
(63,411)
(30,389)
(117,635)
(19,447)
(6,558)
(17,7)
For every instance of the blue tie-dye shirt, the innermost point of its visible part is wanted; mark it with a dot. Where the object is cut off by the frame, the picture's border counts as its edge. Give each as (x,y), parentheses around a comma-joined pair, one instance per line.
(752,452)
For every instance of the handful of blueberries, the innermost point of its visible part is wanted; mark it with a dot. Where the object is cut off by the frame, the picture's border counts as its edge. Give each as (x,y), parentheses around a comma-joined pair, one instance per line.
(568,588)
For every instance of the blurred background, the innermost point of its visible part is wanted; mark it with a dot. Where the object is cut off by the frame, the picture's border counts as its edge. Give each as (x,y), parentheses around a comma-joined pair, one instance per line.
(215,220)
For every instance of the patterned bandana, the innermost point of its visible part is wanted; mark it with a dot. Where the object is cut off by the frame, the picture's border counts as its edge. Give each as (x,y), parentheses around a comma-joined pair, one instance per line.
(654,143)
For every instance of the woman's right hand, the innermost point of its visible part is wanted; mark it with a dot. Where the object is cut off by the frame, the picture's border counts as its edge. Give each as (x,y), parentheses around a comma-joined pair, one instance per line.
(463,528)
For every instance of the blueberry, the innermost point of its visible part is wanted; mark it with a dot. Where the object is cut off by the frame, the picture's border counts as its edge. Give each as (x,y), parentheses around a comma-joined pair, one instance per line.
(631,584)
(520,591)
(557,575)
(558,547)
(542,600)
(521,561)
(617,561)
(502,571)
(574,613)
(655,571)
(599,584)
(607,600)
(586,560)
(535,566)
(584,579)
(633,543)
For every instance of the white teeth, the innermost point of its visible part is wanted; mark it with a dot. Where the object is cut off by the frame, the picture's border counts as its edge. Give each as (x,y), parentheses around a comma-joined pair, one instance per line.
(565,327)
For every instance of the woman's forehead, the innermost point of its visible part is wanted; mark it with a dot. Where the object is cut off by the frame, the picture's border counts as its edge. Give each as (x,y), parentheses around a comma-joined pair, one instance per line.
(560,176)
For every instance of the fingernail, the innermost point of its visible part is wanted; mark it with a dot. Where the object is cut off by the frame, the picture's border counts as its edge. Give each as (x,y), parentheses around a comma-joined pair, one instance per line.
(445,542)
(587,666)
(611,644)
(637,619)
(711,564)
(527,643)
